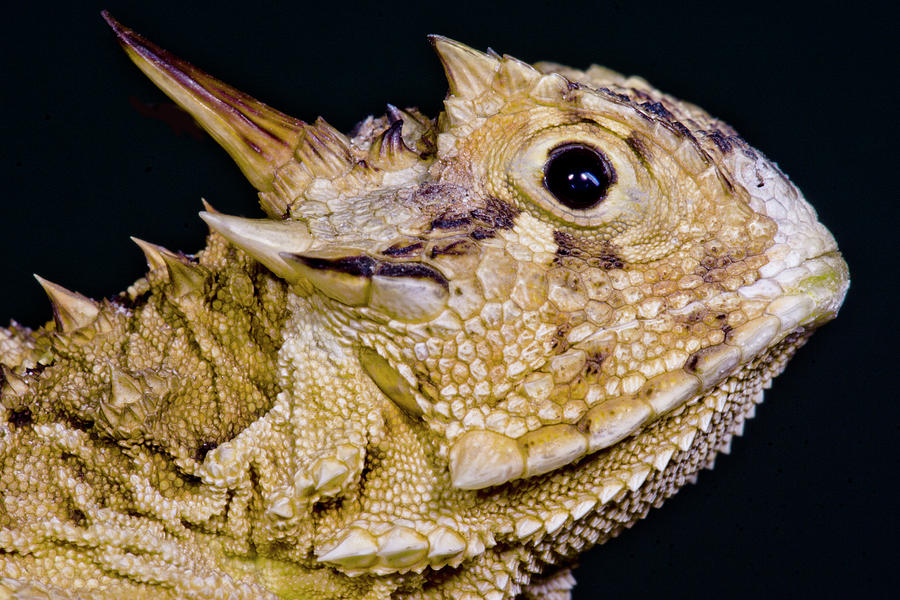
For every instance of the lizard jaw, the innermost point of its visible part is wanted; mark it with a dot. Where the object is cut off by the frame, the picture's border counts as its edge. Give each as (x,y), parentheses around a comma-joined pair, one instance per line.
(800,298)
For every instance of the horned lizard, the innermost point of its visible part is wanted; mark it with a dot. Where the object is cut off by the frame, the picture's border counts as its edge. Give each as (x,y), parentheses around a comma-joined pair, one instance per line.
(456,353)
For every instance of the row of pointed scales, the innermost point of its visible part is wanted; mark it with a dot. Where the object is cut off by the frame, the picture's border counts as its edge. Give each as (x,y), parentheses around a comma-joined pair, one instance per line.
(326,162)
(524,538)
(155,367)
(552,526)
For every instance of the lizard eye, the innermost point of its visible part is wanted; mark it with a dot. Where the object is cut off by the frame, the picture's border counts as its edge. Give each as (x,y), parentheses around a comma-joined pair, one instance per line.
(578,176)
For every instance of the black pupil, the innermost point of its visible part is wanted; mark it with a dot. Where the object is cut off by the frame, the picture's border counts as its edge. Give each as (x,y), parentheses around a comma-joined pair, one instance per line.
(578,176)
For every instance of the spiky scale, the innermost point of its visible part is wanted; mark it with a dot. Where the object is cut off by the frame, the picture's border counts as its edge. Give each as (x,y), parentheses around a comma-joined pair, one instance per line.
(356,550)
(390,151)
(153,254)
(71,310)
(469,72)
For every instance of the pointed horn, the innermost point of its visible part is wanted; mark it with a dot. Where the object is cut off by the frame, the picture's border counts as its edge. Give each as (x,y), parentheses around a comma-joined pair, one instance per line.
(469,72)
(263,239)
(71,310)
(260,139)
(152,253)
(415,128)
(389,149)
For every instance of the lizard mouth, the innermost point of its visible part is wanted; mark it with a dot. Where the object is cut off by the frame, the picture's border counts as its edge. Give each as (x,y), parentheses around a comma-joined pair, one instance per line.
(799,299)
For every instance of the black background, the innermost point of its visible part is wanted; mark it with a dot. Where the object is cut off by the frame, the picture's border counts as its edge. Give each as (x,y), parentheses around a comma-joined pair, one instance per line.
(806,503)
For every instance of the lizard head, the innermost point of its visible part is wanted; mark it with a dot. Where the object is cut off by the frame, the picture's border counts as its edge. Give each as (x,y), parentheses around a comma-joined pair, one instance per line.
(558,260)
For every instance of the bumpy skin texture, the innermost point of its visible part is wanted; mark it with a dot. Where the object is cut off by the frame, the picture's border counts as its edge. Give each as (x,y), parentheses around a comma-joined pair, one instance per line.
(422,376)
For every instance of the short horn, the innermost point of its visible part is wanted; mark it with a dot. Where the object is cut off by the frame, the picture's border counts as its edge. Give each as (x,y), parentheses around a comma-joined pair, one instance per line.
(469,72)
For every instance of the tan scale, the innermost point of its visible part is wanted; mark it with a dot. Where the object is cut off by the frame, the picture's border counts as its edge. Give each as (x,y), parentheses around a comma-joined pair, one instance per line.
(427,373)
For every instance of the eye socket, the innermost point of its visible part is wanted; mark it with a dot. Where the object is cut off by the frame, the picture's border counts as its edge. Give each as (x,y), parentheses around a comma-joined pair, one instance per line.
(578,176)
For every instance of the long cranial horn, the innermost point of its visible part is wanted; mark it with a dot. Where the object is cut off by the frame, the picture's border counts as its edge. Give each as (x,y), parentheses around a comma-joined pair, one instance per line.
(259,138)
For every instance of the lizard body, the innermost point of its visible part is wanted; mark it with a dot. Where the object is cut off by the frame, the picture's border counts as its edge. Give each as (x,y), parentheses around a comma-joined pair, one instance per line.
(439,368)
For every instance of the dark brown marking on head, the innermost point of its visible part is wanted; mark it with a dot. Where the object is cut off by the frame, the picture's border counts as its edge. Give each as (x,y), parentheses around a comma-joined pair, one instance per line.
(639,146)
(412,270)
(559,343)
(400,249)
(20,417)
(682,130)
(497,214)
(450,221)
(454,248)
(694,316)
(797,337)
(667,118)
(572,90)
(722,142)
(484,221)
(657,109)
(583,425)
(594,362)
(600,255)
(361,265)
(712,268)
(641,94)
(726,181)
(392,137)
(624,98)
(565,244)
(606,260)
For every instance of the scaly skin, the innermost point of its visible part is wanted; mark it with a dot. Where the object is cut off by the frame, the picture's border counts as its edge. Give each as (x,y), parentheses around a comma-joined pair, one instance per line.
(422,376)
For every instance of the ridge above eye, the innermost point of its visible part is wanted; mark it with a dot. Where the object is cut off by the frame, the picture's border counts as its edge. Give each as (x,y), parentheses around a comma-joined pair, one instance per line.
(578,175)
